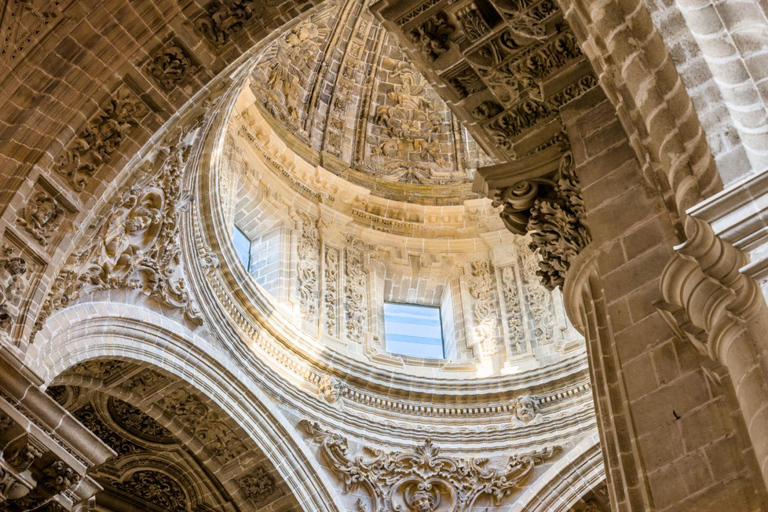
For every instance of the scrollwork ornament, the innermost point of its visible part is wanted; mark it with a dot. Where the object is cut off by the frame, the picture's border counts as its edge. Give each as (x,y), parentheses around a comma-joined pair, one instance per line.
(170,67)
(432,36)
(136,245)
(226,18)
(422,479)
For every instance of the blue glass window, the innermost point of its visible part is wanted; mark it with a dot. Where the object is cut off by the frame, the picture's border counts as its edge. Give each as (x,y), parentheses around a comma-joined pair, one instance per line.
(413,330)
(243,247)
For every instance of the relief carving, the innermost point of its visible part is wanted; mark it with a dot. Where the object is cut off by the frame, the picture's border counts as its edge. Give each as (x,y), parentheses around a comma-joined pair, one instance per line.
(539,301)
(411,121)
(41,216)
(306,266)
(258,485)
(473,22)
(23,456)
(481,288)
(226,18)
(205,424)
(89,418)
(432,36)
(514,310)
(14,281)
(423,480)
(331,294)
(24,22)
(157,488)
(526,409)
(101,138)
(136,245)
(355,290)
(170,67)
(10,487)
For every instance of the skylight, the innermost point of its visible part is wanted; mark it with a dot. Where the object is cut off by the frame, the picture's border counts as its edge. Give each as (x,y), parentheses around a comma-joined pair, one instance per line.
(243,247)
(413,330)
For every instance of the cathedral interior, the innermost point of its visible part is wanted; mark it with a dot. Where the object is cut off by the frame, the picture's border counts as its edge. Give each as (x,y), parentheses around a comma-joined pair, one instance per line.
(383,255)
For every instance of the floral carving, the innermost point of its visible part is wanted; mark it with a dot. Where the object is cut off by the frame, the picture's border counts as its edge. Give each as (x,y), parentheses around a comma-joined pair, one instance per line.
(170,67)
(432,36)
(472,22)
(88,417)
(41,216)
(10,487)
(205,424)
(423,480)
(465,82)
(136,244)
(226,18)
(557,226)
(258,485)
(514,309)
(157,488)
(144,382)
(100,369)
(101,138)
(137,423)
(58,476)
(308,252)
(355,290)
(331,294)
(481,288)
(539,301)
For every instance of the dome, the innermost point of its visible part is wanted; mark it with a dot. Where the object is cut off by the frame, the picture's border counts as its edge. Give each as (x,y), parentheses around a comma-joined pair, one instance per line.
(345,96)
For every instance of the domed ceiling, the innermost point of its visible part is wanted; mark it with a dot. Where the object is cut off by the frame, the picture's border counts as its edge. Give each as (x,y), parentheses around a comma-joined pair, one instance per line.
(346,97)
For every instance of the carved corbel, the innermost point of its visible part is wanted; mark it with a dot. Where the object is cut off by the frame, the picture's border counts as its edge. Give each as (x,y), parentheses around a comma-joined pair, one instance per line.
(11,486)
(540,195)
(706,299)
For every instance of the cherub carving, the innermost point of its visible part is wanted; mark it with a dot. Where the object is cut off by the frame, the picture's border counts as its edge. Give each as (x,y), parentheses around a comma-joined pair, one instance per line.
(41,216)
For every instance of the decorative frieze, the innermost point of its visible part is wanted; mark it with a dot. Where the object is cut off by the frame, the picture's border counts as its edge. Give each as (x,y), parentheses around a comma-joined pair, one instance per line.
(95,144)
(423,480)
(157,488)
(331,295)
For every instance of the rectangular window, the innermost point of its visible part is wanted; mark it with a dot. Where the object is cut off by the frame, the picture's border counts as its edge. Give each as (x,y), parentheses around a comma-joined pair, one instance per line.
(413,330)
(243,247)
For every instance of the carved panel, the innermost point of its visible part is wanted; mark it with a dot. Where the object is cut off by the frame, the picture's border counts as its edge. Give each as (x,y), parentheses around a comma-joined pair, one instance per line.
(41,216)
(137,423)
(88,417)
(331,297)
(15,273)
(95,144)
(22,24)
(258,485)
(355,290)
(170,66)
(482,289)
(225,19)
(307,266)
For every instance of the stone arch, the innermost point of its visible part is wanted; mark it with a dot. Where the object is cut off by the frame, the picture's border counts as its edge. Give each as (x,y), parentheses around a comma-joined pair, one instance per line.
(94,330)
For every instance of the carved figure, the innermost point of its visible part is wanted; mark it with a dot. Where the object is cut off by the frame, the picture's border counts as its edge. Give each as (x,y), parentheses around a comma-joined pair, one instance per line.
(525,409)
(41,216)
(433,36)
(13,283)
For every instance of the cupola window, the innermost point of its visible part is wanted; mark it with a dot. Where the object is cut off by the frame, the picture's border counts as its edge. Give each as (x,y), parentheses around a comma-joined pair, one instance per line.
(413,330)
(243,247)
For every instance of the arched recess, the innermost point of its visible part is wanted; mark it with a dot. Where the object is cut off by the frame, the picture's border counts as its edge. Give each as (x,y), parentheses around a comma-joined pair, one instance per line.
(105,331)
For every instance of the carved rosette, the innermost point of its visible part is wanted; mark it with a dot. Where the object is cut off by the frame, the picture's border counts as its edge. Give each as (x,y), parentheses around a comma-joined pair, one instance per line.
(257,485)
(422,480)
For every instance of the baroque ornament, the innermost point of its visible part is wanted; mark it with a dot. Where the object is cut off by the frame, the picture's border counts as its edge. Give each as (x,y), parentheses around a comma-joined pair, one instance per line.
(423,480)
(136,245)
(226,18)
(413,119)
(331,294)
(157,488)
(308,252)
(258,485)
(41,216)
(355,290)
(432,36)
(101,138)
(514,310)
(170,67)
(481,288)
(13,285)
